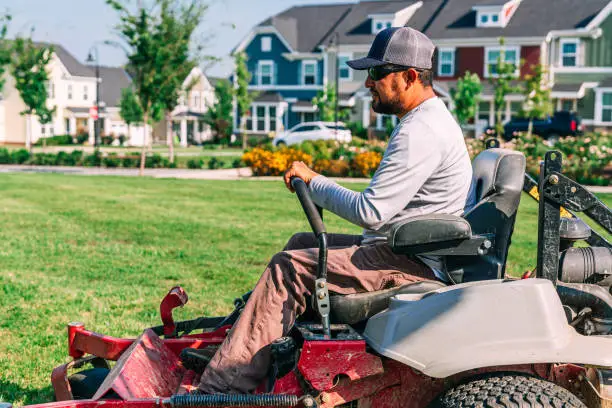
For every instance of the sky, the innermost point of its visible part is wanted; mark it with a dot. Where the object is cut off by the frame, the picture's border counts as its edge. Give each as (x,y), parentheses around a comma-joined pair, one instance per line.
(79,24)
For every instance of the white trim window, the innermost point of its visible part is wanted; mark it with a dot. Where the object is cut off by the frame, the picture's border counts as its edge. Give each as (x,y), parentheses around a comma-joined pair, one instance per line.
(265,73)
(266,44)
(446,62)
(488,19)
(510,54)
(85,92)
(69,91)
(604,106)
(309,72)
(379,25)
(568,52)
(345,73)
(265,118)
(382,121)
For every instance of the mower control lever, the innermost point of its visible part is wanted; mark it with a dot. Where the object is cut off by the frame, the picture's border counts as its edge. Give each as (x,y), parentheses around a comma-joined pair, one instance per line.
(320,301)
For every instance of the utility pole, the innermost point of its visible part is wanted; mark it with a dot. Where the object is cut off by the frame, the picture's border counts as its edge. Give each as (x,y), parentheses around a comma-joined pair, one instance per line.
(96,59)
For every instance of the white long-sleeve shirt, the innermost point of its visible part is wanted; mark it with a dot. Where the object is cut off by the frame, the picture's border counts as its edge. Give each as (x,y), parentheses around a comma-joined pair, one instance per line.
(425,169)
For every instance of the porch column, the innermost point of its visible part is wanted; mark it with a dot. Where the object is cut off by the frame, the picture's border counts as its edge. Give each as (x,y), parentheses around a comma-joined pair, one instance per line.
(73,126)
(91,131)
(183,132)
(169,131)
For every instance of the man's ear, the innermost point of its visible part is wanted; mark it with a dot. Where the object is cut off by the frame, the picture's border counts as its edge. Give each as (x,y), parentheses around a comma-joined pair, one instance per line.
(410,76)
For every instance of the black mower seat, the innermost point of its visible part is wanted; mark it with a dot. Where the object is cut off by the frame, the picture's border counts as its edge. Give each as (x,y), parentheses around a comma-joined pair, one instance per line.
(351,309)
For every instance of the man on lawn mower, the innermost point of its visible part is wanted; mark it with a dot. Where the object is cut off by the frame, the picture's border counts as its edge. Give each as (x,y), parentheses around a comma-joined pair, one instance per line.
(425,169)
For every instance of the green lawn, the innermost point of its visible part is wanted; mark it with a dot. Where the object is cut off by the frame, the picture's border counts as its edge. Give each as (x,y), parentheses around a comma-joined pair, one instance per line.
(105,250)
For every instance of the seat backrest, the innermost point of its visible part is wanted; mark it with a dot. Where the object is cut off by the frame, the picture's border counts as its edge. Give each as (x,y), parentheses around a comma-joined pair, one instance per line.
(497,184)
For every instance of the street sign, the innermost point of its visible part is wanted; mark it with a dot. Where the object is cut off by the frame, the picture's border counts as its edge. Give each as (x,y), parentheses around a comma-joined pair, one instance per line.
(93,112)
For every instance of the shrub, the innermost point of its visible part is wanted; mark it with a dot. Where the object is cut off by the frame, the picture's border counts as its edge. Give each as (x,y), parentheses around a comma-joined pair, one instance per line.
(106,140)
(43,159)
(58,140)
(156,161)
(5,156)
(112,160)
(237,163)
(357,130)
(215,163)
(64,159)
(77,157)
(130,160)
(82,138)
(20,156)
(195,163)
(122,139)
(365,164)
(93,160)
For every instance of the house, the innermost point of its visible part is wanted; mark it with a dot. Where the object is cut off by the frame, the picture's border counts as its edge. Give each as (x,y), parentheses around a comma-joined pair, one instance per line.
(186,122)
(571,39)
(72,91)
(293,54)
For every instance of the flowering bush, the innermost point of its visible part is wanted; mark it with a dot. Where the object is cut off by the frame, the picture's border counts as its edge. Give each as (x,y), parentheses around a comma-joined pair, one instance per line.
(332,168)
(584,158)
(273,163)
(365,164)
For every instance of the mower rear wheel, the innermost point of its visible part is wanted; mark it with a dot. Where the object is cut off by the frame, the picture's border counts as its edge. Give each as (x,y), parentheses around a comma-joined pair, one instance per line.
(84,384)
(507,390)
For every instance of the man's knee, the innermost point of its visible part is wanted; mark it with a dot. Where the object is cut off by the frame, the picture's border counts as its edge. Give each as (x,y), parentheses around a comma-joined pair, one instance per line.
(301,240)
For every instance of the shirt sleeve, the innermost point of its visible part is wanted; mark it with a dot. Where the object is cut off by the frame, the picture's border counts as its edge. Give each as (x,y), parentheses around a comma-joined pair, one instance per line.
(410,159)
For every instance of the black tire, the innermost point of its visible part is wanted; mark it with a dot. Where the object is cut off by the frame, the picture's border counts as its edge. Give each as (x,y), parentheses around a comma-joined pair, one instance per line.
(281,144)
(507,390)
(84,384)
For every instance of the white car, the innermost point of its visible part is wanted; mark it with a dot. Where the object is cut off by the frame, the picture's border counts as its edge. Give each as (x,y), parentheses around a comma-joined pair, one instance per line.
(313,131)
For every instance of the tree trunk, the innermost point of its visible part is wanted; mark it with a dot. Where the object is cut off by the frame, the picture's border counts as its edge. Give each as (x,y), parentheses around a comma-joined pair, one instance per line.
(169,137)
(243,132)
(499,127)
(129,135)
(530,127)
(28,141)
(145,143)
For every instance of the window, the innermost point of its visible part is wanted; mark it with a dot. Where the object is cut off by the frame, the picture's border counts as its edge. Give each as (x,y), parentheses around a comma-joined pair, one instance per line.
(69,91)
(446,62)
(309,72)
(385,122)
(494,18)
(266,44)
(51,89)
(606,107)
(484,18)
(266,73)
(569,52)
(567,105)
(308,116)
(67,125)
(264,119)
(510,55)
(379,25)
(483,111)
(345,72)
(488,19)
(85,93)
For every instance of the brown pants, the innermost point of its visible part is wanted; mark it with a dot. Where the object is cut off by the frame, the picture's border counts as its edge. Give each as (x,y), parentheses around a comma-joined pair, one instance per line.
(242,361)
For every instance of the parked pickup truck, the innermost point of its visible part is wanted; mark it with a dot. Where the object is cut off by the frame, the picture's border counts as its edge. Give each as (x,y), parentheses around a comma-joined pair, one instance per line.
(561,123)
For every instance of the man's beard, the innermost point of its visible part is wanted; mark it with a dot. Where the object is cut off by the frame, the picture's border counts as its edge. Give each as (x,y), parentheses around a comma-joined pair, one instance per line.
(390,107)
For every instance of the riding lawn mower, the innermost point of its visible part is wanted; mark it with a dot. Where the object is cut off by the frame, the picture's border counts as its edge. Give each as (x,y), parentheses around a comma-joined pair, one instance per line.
(480,340)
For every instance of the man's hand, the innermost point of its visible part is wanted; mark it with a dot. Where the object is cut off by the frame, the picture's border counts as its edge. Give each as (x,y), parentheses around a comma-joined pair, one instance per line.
(301,170)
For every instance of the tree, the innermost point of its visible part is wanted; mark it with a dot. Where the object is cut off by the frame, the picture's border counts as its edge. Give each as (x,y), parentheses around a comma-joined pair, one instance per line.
(466,97)
(244,98)
(219,116)
(157,43)
(325,101)
(5,49)
(130,109)
(538,102)
(29,69)
(505,74)
(177,25)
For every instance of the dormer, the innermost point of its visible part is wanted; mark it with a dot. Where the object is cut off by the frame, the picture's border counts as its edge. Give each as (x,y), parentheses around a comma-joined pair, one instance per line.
(400,18)
(495,14)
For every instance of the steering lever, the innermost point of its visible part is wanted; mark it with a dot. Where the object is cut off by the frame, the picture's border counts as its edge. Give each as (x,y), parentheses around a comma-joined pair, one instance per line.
(320,300)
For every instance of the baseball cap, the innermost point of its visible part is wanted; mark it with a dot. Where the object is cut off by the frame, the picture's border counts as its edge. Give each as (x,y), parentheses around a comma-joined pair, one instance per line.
(399,46)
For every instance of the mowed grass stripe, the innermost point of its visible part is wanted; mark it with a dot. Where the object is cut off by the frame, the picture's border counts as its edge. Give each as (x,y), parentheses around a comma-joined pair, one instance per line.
(105,250)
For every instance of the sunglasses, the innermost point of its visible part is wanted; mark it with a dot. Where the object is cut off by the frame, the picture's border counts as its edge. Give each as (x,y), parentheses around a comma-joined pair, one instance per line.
(381,71)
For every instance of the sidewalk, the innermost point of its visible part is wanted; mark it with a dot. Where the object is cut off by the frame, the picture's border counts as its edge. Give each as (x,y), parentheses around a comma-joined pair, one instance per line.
(243,173)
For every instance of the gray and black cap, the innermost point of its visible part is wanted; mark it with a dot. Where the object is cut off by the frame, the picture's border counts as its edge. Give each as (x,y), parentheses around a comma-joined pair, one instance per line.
(399,46)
